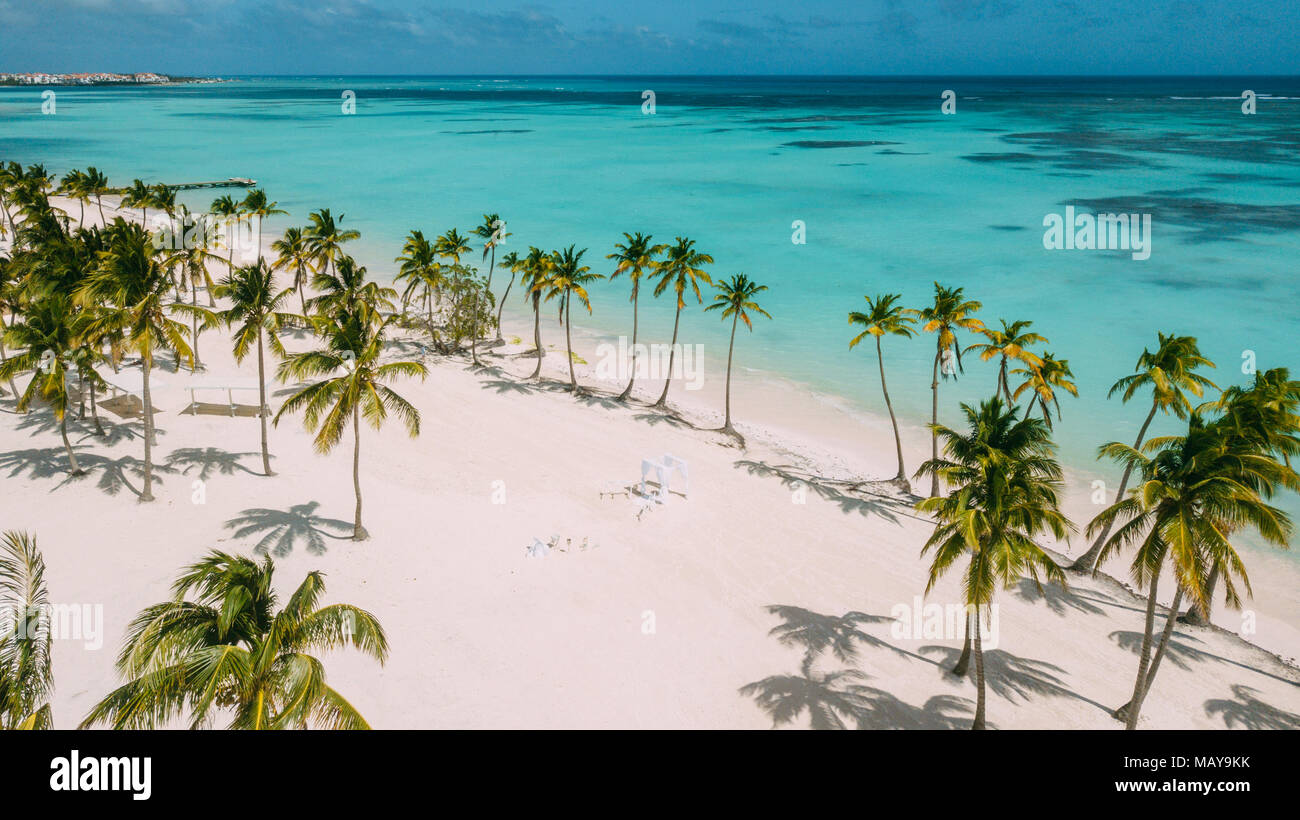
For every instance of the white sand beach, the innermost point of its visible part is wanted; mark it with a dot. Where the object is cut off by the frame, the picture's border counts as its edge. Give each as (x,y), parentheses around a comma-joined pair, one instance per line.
(661,620)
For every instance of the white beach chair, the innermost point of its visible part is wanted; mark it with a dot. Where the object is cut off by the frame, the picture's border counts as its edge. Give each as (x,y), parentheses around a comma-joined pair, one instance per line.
(680,466)
(650,466)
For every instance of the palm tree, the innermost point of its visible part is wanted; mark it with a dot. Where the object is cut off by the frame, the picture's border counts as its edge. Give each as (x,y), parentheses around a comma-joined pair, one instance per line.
(1194,487)
(131,285)
(1170,373)
(1004,482)
(256,205)
(96,185)
(885,316)
(1051,374)
(1263,418)
(348,289)
(354,342)
(294,255)
(225,206)
(1010,343)
(949,312)
(9,287)
(514,263)
(192,259)
(682,266)
(48,335)
(26,678)
(325,239)
(139,196)
(569,278)
(493,233)
(452,245)
(420,267)
(537,273)
(256,307)
(735,298)
(74,186)
(635,257)
(230,648)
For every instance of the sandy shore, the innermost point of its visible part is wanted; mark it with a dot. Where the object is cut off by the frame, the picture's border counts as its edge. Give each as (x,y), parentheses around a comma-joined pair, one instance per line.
(659,625)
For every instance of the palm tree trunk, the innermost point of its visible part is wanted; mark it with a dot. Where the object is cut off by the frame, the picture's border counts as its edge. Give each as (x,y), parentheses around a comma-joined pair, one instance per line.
(99,203)
(568,344)
(979,675)
(537,338)
(94,411)
(81,396)
(73,469)
(1086,562)
(672,353)
(1199,615)
(358,532)
(901,478)
(1003,383)
(963,662)
(1134,706)
(627,391)
(146,494)
(261,405)
(502,303)
(302,298)
(731,348)
(1144,657)
(934,420)
(196,364)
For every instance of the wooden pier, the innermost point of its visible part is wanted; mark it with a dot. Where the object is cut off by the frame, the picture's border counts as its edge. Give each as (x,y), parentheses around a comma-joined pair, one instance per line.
(232,182)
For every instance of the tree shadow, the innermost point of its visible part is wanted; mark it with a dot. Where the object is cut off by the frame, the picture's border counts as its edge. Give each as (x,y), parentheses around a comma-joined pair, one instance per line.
(115,433)
(208,460)
(833,700)
(655,419)
(504,386)
(1013,677)
(882,504)
(1246,711)
(1058,600)
(817,633)
(52,462)
(1181,654)
(284,528)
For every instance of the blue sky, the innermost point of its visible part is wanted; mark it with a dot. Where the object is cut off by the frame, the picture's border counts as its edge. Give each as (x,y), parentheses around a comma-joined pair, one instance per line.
(653,36)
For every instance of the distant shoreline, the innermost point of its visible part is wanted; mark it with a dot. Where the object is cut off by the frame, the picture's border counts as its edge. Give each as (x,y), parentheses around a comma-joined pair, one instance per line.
(99,78)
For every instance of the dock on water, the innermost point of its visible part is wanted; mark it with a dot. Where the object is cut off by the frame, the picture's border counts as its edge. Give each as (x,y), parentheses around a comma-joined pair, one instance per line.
(232,182)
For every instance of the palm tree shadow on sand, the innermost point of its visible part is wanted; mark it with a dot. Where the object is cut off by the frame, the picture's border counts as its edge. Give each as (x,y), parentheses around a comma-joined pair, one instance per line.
(285,528)
(1013,677)
(208,460)
(1245,711)
(115,474)
(863,497)
(841,699)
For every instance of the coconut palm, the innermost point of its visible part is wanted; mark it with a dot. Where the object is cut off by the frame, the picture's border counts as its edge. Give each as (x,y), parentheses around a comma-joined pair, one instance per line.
(1045,379)
(568,278)
(452,245)
(96,185)
(682,267)
(73,186)
(48,335)
(9,287)
(419,267)
(26,677)
(493,233)
(735,298)
(514,263)
(347,288)
(1170,373)
(226,207)
(139,195)
(325,239)
(949,313)
(257,310)
(884,316)
(537,272)
(1004,482)
(1263,418)
(130,287)
(354,384)
(635,257)
(192,260)
(292,254)
(1009,343)
(257,206)
(222,644)
(1194,487)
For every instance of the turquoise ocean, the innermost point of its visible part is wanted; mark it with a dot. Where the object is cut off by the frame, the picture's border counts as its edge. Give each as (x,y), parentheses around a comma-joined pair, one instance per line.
(893,195)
